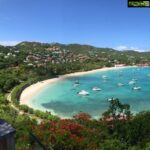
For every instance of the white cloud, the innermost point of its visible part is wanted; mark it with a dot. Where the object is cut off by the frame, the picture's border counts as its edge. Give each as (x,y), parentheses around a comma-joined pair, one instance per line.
(9,43)
(123,47)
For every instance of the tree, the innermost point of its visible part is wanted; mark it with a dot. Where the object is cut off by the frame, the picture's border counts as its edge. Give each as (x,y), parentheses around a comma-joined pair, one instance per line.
(117,109)
(139,130)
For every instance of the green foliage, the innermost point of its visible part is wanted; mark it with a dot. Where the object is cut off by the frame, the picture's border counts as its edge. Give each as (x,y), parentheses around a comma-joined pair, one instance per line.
(78,133)
(117,109)
(26,109)
(139,129)
(45,115)
(21,123)
(7,81)
(112,144)
(16,90)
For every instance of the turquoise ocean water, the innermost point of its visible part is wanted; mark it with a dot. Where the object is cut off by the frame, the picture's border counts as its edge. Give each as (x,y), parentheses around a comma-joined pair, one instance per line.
(62,97)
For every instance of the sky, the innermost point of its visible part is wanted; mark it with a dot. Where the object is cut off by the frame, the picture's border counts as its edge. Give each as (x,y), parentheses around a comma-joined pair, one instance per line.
(101,23)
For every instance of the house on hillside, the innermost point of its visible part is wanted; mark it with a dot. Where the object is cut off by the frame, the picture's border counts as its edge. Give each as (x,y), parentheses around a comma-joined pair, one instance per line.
(120,65)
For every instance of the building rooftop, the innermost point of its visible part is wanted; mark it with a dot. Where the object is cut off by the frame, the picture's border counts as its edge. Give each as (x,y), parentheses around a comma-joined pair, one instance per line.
(5,128)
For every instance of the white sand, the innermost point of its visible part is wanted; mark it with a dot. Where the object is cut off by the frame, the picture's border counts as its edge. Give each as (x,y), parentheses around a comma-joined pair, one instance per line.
(35,88)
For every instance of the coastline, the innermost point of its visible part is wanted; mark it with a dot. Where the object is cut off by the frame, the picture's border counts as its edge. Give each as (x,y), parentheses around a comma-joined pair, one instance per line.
(35,88)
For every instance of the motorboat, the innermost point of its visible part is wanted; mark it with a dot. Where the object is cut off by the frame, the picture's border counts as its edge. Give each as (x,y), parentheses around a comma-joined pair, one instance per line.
(131,82)
(83,92)
(96,89)
(136,88)
(120,84)
(110,99)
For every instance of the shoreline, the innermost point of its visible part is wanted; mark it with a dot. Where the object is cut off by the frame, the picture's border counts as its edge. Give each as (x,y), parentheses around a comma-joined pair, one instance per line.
(34,88)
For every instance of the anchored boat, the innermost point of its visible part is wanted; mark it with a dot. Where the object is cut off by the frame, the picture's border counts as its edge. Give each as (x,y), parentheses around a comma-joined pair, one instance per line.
(83,92)
(96,89)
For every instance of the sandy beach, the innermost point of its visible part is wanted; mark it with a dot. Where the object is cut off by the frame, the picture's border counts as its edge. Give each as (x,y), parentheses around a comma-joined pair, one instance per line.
(35,88)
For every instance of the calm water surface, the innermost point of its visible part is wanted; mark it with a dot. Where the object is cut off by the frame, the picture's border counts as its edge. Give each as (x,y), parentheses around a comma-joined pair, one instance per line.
(62,98)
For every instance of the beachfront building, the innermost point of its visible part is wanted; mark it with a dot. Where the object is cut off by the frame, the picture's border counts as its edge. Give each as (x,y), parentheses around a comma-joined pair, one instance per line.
(120,65)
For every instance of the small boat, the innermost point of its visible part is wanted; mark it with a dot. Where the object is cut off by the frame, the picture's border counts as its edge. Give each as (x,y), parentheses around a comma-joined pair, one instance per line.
(131,82)
(77,82)
(120,84)
(83,92)
(96,89)
(104,77)
(110,99)
(134,79)
(136,88)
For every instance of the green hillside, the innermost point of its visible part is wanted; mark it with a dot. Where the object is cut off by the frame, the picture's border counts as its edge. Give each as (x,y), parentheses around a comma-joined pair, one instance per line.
(30,62)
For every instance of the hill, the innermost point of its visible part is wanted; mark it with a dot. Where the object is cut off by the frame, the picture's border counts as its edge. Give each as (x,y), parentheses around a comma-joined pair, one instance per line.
(29,62)
(36,53)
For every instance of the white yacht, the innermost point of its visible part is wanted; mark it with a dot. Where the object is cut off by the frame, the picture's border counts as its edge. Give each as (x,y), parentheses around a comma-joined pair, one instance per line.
(136,88)
(96,89)
(131,82)
(83,92)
